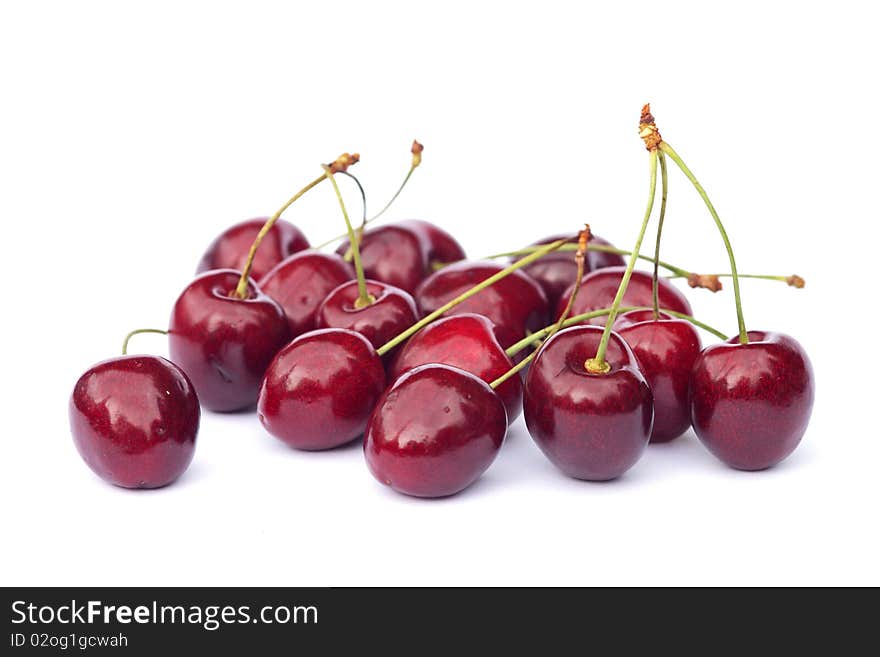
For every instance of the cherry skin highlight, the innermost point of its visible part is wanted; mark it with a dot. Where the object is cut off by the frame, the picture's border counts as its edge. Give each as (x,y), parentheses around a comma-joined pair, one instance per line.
(468,342)
(515,304)
(392,312)
(224,343)
(556,272)
(302,282)
(134,421)
(230,249)
(434,431)
(751,404)
(590,426)
(599,288)
(666,349)
(320,389)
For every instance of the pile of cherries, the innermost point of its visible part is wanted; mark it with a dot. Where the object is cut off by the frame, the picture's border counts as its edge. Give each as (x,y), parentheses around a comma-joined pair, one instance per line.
(398,340)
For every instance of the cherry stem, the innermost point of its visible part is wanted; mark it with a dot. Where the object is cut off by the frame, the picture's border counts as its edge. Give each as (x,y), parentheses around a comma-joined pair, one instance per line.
(241,288)
(138,332)
(541,335)
(668,150)
(583,238)
(364,297)
(664,190)
(597,364)
(793,280)
(416,151)
(464,296)
(363,197)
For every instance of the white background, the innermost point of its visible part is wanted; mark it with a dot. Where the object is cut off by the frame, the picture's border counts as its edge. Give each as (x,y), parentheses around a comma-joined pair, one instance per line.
(132,133)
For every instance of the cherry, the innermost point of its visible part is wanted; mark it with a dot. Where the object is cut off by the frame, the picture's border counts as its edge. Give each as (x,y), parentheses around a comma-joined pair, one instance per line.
(598,289)
(592,426)
(224,343)
(134,421)
(750,403)
(390,311)
(434,431)
(230,249)
(302,282)
(320,389)
(393,254)
(516,304)
(442,248)
(469,342)
(666,348)
(557,272)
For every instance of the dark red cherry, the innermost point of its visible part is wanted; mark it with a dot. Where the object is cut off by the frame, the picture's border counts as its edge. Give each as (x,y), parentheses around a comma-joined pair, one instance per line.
(468,342)
(599,288)
(319,391)
(224,343)
(516,304)
(134,421)
(393,254)
(230,249)
(591,426)
(302,282)
(434,431)
(557,271)
(751,403)
(666,349)
(392,312)
(442,249)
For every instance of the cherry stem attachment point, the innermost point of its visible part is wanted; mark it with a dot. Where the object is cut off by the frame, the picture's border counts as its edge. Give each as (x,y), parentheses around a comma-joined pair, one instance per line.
(464,296)
(364,297)
(668,150)
(597,364)
(138,332)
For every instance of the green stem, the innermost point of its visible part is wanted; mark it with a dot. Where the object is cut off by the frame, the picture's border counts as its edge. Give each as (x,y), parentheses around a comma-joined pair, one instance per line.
(363,197)
(597,364)
(464,296)
(664,189)
(538,336)
(241,288)
(138,332)
(364,297)
(666,148)
(763,277)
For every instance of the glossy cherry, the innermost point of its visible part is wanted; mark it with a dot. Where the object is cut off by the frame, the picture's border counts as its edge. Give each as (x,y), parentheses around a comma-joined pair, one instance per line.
(302,282)
(466,341)
(320,389)
(556,272)
(134,421)
(230,249)
(599,288)
(590,426)
(434,431)
(391,312)
(403,254)
(442,248)
(224,343)
(751,403)
(515,304)
(666,349)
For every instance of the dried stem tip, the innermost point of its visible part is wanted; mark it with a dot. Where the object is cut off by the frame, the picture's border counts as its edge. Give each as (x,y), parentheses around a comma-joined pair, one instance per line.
(705,281)
(341,163)
(583,237)
(416,151)
(648,129)
(795,281)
